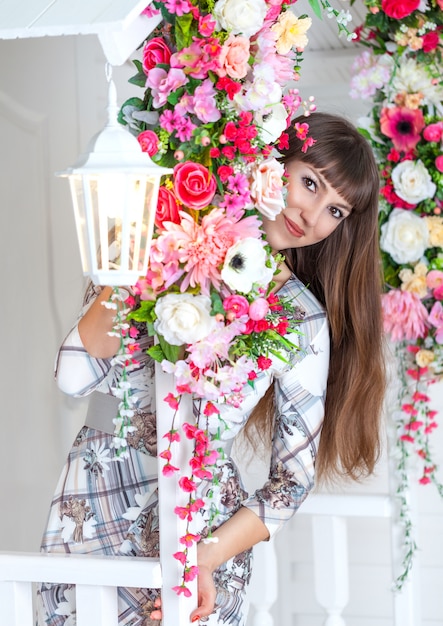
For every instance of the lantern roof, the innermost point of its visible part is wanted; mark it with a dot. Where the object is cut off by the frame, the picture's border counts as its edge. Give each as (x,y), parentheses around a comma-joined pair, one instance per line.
(118,23)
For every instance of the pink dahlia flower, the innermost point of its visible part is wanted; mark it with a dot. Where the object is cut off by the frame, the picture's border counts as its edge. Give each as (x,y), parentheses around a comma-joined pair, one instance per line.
(404,315)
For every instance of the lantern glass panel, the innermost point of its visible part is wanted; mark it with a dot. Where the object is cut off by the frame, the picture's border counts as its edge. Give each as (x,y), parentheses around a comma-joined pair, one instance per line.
(115,220)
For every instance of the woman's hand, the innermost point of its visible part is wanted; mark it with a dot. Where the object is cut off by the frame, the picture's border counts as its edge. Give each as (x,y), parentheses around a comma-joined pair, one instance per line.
(205,594)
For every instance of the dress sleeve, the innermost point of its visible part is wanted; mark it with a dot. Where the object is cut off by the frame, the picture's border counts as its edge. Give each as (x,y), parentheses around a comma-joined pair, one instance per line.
(299,395)
(76,372)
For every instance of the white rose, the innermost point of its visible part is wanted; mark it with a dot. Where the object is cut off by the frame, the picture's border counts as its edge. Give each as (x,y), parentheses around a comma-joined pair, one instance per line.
(245,265)
(404,236)
(244,17)
(412,182)
(266,188)
(183,318)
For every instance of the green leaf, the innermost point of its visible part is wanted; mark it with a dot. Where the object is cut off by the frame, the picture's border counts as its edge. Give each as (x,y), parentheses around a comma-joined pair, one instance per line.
(144,313)
(183,35)
(316,7)
(171,353)
(139,80)
(216,304)
(156,353)
(175,96)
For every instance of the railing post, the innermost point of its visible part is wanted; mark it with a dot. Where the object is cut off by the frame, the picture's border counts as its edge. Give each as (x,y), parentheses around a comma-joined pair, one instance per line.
(16,603)
(331,566)
(264,583)
(176,609)
(96,606)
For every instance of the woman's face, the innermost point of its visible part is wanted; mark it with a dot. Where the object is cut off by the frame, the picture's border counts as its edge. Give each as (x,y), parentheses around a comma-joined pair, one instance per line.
(313,210)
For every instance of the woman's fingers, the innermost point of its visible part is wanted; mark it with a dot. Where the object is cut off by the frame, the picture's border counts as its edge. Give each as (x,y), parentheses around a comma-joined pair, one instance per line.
(157,614)
(206,594)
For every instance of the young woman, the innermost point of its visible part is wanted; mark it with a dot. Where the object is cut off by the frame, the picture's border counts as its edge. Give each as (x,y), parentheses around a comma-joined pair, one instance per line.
(334,386)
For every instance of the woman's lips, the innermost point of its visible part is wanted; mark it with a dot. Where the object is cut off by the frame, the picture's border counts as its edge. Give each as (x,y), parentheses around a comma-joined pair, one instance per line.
(293,228)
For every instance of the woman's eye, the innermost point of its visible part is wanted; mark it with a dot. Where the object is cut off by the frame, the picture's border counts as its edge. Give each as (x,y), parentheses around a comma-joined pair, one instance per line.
(337,213)
(309,183)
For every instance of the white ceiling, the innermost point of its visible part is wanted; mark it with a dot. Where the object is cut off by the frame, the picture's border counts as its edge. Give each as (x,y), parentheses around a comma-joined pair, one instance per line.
(37,18)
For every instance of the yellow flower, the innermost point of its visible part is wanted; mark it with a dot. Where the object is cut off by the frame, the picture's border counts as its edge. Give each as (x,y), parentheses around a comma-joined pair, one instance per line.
(423,358)
(435,227)
(414,281)
(291,32)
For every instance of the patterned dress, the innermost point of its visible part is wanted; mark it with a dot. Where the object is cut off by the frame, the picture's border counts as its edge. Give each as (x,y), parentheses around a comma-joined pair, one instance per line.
(104,506)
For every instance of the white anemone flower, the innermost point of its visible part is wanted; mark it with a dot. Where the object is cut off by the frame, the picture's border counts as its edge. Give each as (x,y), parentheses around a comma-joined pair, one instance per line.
(245,266)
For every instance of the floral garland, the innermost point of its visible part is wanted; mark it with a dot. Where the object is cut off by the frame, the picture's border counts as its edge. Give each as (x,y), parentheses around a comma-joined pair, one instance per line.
(401,73)
(214,111)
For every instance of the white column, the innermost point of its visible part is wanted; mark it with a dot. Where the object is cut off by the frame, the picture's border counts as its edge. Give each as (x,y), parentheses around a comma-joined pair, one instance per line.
(331,566)
(264,583)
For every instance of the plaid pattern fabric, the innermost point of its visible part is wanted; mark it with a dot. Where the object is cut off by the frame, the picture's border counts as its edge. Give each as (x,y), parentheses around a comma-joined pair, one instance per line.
(105,506)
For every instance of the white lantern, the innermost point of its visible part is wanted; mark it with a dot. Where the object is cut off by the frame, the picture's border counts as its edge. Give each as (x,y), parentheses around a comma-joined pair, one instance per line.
(114,187)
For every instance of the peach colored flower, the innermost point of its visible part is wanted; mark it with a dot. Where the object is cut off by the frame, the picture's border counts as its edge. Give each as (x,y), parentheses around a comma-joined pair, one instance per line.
(435,227)
(234,57)
(291,32)
(423,358)
(414,281)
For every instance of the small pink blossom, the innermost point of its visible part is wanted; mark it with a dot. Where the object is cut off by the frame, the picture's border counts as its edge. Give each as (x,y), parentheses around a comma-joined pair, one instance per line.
(179,7)
(172,401)
(163,83)
(172,435)
(182,589)
(190,573)
(189,539)
(169,470)
(187,484)
(180,556)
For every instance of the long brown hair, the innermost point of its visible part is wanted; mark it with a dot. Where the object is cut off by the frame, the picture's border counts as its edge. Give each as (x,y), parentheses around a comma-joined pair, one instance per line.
(344,273)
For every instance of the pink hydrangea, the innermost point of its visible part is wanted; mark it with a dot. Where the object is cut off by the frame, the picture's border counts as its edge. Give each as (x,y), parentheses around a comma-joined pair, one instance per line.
(404,315)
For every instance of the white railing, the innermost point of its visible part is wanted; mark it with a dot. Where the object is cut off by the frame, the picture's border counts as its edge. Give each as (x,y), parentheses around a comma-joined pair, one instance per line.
(97,577)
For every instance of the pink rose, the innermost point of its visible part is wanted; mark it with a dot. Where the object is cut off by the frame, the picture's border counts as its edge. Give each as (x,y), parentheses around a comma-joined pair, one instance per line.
(267,188)
(234,57)
(433,132)
(194,185)
(167,208)
(148,141)
(258,309)
(398,9)
(236,305)
(155,51)
(434,279)
(439,163)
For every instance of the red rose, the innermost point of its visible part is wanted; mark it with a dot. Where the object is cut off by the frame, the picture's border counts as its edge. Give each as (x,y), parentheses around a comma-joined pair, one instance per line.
(224,172)
(155,51)
(148,141)
(431,41)
(398,9)
(194,185)
(167,208)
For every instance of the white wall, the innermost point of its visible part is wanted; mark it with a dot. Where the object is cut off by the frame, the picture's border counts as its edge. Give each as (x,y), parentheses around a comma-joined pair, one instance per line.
(52,100)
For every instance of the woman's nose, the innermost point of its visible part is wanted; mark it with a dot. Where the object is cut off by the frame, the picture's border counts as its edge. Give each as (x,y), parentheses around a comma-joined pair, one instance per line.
(310,215)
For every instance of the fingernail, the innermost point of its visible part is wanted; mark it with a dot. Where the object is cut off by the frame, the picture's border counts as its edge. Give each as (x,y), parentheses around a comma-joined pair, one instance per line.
(195,618)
